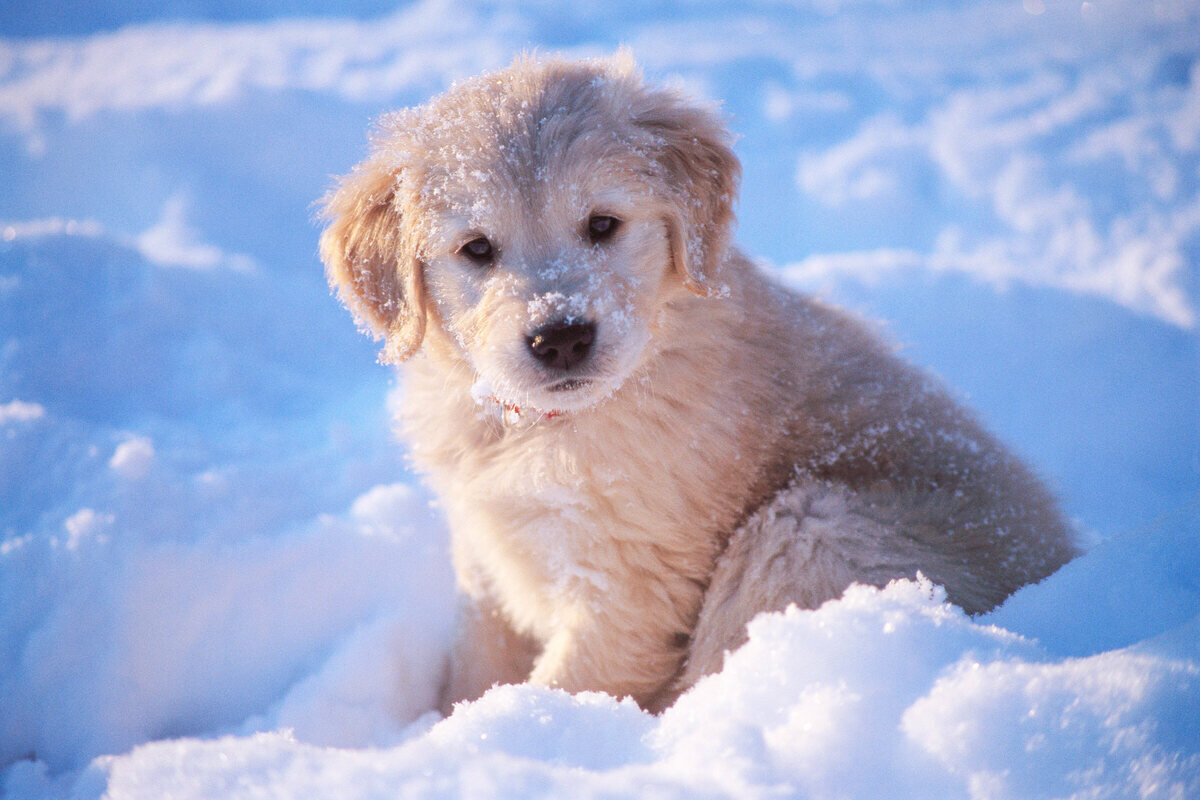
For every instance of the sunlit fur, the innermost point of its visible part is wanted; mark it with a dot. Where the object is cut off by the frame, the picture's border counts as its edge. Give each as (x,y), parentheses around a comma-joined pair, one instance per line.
(735,448)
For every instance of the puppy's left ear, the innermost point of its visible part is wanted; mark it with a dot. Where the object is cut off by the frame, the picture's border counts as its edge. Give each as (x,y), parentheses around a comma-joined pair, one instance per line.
(694,151)
(370,261)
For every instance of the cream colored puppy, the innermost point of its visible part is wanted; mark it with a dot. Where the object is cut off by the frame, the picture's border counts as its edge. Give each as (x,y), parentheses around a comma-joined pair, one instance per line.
(640,440)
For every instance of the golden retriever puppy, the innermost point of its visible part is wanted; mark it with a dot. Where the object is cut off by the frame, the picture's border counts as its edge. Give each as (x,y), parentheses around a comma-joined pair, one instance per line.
(640,440)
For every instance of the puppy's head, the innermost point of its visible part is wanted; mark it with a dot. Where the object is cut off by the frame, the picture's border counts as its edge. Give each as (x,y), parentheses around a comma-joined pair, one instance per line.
(537,219)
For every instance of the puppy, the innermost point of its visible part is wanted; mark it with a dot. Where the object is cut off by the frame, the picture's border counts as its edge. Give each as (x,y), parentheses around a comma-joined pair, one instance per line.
(640,440)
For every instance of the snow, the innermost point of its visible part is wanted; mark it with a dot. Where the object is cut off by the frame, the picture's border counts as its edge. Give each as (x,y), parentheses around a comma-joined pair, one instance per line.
(218,578)
(804,709)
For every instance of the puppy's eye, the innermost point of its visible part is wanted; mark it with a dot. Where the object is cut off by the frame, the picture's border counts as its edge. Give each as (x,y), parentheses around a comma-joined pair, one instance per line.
(478,250)
(601,227)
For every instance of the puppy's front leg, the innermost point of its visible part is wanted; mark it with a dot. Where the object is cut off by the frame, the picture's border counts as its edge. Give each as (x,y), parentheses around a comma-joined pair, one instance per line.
(591,655)
(486,652)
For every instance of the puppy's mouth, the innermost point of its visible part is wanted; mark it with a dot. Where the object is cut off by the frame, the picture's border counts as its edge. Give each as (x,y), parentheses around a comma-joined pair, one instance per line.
(570,385)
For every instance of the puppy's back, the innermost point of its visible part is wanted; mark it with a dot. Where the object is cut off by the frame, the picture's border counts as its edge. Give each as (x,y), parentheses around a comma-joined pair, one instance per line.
(874,473)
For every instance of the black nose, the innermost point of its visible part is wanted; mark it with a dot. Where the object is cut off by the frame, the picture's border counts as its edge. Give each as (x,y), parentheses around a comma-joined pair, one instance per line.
(562,346)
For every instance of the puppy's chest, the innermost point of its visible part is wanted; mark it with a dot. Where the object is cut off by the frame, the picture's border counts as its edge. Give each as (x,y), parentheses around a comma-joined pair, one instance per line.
(562,516)
(557,493)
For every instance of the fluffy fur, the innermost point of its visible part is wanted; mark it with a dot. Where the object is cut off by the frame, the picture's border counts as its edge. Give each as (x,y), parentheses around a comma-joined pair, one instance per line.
(727,447)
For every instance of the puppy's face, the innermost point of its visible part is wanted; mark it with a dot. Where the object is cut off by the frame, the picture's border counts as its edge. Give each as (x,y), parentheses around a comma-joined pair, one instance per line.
(536,220)
(547,280)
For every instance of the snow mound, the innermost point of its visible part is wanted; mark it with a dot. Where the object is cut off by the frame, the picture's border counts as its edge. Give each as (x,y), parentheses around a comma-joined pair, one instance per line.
(883,693)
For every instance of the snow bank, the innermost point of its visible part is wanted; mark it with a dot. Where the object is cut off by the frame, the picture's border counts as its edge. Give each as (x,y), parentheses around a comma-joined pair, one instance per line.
(884,693)
(337,631)
(167,565)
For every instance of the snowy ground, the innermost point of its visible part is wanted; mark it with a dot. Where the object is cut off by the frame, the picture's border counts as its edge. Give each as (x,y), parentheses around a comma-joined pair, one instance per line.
(218,578)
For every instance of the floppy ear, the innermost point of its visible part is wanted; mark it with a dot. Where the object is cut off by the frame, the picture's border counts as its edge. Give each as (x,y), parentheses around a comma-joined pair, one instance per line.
(693,149)
(371,263)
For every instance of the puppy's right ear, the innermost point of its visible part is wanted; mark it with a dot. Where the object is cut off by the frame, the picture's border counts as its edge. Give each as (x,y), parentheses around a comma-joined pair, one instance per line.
(371,263)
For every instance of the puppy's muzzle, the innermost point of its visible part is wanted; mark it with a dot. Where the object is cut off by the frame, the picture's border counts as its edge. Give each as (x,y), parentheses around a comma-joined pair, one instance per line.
(563,345)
